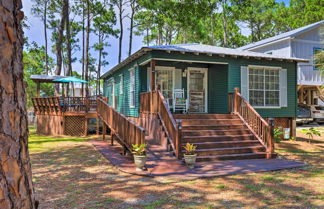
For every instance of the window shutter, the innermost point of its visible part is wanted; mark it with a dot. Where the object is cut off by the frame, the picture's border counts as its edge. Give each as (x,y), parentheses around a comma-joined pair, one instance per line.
(178,79)
(148,79)
(283,87)
(244,83)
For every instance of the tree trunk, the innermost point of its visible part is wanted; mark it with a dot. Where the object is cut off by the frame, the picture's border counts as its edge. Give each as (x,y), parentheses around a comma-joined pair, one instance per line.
(225,44)
(68,40)
(99,67)
(45,34)
(83,43)
(68,45)
(59,47)
(147,35)
(133,8)
(120,7)
(87,49)
(16,187)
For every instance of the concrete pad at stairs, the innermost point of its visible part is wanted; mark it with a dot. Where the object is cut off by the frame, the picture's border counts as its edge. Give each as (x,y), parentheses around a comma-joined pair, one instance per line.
(161,163)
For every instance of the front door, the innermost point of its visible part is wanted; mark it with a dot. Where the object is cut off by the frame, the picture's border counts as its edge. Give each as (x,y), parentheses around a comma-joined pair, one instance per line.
(197,89)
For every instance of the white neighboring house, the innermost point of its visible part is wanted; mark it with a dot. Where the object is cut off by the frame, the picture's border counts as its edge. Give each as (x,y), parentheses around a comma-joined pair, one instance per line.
(301,43)
(78,90)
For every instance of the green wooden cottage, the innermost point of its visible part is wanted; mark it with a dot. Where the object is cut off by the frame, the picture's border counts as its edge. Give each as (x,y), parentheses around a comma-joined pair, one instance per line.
(202,79)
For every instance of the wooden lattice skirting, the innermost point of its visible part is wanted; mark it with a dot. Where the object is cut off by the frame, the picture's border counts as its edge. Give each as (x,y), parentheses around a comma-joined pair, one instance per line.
(74,125)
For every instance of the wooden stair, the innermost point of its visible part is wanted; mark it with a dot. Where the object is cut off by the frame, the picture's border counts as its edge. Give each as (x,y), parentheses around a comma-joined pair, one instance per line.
(219,137)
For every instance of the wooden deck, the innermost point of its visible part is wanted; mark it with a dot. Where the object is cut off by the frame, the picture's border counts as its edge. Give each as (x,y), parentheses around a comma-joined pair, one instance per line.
(64,115)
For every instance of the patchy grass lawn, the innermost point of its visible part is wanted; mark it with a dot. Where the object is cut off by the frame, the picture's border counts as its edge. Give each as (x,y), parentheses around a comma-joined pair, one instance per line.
(69,173)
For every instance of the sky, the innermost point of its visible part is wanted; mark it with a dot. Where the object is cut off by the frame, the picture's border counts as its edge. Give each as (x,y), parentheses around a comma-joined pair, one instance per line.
(36,33)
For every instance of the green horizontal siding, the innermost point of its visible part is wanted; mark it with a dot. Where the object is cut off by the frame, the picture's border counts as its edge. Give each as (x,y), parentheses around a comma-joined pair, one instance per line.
(222,79)
(291,109)
(217,89)
(123,100)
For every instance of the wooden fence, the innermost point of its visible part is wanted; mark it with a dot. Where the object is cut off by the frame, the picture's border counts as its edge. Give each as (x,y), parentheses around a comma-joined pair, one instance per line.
(123,128)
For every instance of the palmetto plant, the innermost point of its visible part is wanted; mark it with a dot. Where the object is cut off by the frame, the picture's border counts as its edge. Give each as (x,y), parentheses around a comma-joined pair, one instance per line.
(139,149)
(311,132)
(277,133)
(190,149)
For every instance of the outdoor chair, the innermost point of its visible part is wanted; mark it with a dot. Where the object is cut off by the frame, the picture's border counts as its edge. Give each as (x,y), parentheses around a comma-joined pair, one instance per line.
(179,101)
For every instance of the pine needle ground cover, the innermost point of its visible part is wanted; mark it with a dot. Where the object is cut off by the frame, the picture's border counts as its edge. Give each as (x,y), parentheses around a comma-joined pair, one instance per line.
(69,173)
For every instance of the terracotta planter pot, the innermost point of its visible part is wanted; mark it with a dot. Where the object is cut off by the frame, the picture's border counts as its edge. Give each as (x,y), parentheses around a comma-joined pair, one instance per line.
(140,161)
(190,160)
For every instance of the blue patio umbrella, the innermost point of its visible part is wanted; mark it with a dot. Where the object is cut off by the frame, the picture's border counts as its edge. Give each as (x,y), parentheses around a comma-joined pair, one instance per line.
(70,79)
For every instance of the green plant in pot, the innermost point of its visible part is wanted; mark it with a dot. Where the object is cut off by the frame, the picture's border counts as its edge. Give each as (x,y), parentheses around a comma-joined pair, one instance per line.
(139,152)
(190,155)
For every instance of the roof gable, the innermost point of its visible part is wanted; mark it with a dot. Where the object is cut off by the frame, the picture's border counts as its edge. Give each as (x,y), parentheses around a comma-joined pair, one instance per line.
(289,34)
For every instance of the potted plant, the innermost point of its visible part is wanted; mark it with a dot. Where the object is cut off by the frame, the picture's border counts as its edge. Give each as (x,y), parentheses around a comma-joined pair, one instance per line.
(190,155)
(140,157)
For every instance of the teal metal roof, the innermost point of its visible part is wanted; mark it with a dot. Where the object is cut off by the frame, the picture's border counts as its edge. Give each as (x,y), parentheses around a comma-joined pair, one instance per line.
(200,49)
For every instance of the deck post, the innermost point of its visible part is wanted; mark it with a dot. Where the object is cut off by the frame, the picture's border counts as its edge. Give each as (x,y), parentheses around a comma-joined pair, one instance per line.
(152,85)
(293,127)
(152,75)
(97,125)
(38,89)
(104,131)
(301,94)
(178,139)
(86,126)
(235,100)
(270,142)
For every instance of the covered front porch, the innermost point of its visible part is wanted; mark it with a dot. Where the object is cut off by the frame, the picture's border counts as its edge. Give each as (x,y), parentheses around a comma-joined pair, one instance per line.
(188,87)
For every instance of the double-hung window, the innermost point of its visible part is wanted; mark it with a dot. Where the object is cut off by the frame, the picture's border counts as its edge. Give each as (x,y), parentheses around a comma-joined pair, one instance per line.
(265,86)
(132,88)
(264,89)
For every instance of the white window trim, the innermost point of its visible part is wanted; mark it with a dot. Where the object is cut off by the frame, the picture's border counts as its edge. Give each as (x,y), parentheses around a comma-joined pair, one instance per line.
(131,89)
(121,84)
(111,82)
(248,92)
(205,84)
(172,69)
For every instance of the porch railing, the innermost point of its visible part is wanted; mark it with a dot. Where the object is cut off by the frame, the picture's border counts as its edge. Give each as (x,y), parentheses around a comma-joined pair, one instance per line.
(261,129)
(58,105)
(154,102)
(124,129)
(145,102)
(48,105)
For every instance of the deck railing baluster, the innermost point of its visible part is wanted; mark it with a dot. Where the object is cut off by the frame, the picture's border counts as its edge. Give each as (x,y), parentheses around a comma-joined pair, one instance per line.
(262,130)
(124,129)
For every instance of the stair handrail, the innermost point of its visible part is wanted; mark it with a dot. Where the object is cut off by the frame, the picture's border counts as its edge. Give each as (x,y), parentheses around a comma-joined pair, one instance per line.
(260,128)
(158,105)
(127,131)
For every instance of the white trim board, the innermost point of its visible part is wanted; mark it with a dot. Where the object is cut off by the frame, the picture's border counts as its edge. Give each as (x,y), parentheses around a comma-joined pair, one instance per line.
(205,84)
(180,60)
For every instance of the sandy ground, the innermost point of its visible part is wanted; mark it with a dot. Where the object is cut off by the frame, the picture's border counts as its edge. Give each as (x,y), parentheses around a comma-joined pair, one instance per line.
(69,173)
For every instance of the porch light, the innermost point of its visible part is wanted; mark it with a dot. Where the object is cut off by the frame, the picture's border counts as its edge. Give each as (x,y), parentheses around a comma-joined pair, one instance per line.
(184,74)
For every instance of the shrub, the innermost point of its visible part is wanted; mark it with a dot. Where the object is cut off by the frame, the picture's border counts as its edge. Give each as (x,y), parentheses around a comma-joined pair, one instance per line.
(277,133)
